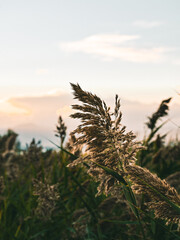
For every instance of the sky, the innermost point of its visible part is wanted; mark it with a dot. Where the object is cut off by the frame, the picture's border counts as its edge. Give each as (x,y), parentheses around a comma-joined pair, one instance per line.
(130,48)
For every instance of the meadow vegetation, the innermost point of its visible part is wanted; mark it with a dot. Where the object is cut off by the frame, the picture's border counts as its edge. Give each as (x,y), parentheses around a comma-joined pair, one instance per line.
(100,184)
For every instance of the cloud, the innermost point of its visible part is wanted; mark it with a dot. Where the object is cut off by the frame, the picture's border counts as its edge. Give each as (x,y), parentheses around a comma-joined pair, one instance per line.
(44,112)
(18,108)
(42,118)
(39,110)
(42,106)
(115,46)
(147,24)
(6,107)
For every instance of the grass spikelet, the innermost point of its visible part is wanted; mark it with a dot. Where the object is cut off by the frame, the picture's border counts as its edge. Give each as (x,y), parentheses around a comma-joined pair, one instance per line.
(162,111)
(61,130)
(162,198)
(105,138)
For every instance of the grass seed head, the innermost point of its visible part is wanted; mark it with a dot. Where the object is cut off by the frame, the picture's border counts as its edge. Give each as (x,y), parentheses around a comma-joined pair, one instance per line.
(107,143)
(47,198)
(143,182)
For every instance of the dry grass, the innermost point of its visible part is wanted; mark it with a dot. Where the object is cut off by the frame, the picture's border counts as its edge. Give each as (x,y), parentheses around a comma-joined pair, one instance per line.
(109,145)
(106,140)
(107,196)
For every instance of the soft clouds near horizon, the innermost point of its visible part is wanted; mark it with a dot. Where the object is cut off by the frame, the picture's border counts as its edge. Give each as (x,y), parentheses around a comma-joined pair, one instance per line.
(42,118)
(116,46)
(44,111)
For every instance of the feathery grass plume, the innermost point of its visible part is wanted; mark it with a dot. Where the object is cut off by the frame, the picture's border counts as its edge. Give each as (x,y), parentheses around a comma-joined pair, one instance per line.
(8,156)
(161,112)
(162,198)
(105,138)
(61,130)
(47,198)
(10,143)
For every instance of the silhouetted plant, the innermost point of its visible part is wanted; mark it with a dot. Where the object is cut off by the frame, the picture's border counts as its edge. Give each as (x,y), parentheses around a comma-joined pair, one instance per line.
(45,199)
(61,130)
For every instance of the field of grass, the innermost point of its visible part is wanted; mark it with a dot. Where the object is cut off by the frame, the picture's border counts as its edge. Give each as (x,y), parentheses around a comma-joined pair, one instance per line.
(101,183)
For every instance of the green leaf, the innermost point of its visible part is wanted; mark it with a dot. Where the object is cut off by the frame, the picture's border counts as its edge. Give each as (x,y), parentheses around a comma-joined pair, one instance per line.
(120,222)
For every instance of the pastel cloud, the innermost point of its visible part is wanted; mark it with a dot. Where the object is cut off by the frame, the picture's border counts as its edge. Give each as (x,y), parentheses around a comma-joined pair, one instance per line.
(115,46)
(39,108)
(147,24)
(42,118)
(44,112)
(7,107)
(42,107)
